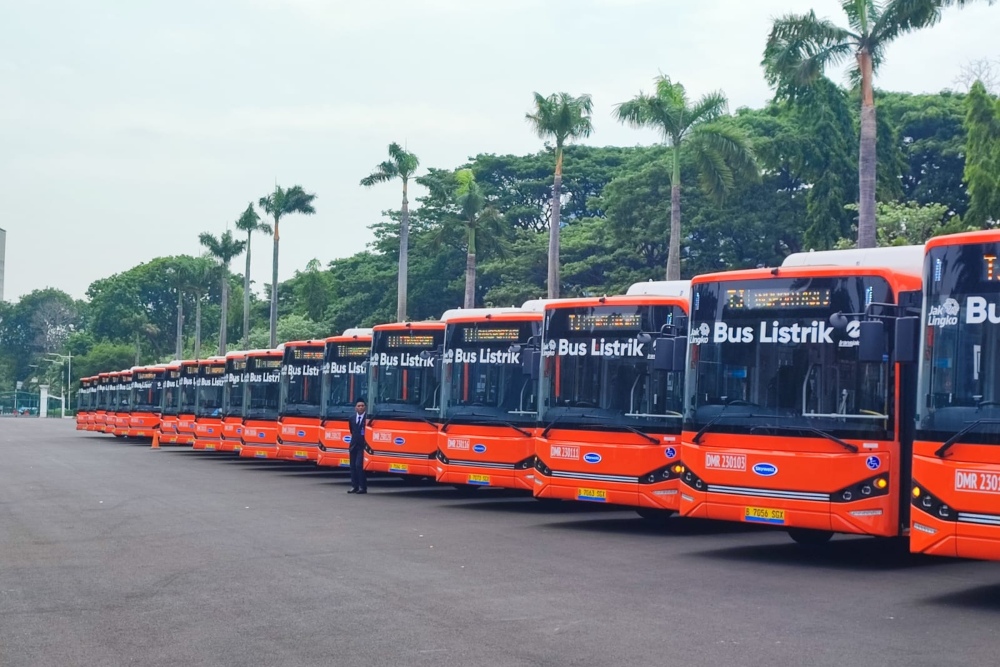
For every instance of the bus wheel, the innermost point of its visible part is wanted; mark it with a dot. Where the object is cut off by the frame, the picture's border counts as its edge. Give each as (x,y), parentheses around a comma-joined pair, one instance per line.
(654,515)
(810,538)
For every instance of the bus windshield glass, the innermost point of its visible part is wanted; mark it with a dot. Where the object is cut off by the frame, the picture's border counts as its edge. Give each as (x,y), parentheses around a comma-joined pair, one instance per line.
(959,378)
(484,379)
(263,388)
(188,389)
(147,388)
(301,381)
(404,373)
(232,390)
(597,373)
(345,378)
(171,391)
(763,352)
(211,378)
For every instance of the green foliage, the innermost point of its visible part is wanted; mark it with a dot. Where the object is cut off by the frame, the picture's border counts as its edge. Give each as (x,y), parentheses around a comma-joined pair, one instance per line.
(910,223)
(290,328)
(982,162)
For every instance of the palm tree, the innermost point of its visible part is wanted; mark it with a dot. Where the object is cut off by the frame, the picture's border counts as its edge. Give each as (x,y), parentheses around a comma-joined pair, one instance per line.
(561,117)
(225,249)
(801,46)
(476,216)
(249,222)
(278,204)
(179,278)
(203,271)
(402,165)
(720,151)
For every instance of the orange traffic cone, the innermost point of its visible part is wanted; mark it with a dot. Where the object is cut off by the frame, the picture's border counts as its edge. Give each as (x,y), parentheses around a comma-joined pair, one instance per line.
(156,438)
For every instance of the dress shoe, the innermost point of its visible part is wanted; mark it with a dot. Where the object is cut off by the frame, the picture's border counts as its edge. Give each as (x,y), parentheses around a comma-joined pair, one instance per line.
(354,491)
(362,491)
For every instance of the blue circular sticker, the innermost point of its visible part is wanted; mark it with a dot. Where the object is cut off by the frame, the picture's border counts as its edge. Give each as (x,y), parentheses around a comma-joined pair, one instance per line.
(479,449)
(671,452)
(873,463)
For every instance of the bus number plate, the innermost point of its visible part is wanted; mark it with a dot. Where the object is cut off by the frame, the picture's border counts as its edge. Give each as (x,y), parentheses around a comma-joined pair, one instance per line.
(399,467)
(345,463)
(482,480)
(301,454)
(764,515)
(593,495)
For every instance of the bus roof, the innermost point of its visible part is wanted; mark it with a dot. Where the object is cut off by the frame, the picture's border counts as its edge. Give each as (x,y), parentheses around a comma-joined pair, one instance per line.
(905,258)
(679,288)
(276,352)
(965,238)
(473,314)
(236,354)
(355,332)
(430,325)
(319,342)
(904,280)
(620,300)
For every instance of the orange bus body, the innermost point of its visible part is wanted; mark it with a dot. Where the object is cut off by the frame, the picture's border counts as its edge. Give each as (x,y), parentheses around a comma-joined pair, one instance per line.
(345,382)
(84,404)
(799,448)
(122,413)
(170,405)
(404,406)
(187,402)
(99,422)
(232,402)
(146,401)
(489,404)
(208,404)
(609,422)
(955,495)
(261,399)
(301,392)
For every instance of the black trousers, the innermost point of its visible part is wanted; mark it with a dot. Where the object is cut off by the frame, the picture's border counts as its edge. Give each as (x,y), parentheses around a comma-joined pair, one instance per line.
(358,480)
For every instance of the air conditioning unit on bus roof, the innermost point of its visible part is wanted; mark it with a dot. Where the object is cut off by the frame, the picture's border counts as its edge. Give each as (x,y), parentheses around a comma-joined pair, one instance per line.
(908,258)
(677,288)
(359,332)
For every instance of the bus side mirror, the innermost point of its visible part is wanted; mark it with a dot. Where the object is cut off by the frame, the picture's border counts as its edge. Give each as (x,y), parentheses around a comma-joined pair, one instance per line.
(529,362)
(871,347)
(663,354)
(680,352)
(907,343)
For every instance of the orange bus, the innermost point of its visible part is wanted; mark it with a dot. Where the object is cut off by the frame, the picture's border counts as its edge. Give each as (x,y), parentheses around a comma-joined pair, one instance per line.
(345,382)
(99,422)
(84,401)
(299,413)
(955,495)
(262,396)
(405,403)
(146,400)
(123,407)
(188,401)
(789,420)
(609,411)
(170,407)
(232,402)
(208,404)
(489,402)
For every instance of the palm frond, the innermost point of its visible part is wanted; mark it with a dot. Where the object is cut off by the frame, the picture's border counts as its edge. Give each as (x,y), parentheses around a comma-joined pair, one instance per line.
(248,221)
(562,117)
(405,163)
(723,154)
(861,14)
(800,47)
(709,108)
(297,200)
(902,16)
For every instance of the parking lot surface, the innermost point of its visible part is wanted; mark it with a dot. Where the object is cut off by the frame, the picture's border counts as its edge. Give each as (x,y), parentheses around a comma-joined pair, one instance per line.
(115,554)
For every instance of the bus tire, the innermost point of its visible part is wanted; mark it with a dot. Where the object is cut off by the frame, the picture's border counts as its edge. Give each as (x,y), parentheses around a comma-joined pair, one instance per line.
(810,538)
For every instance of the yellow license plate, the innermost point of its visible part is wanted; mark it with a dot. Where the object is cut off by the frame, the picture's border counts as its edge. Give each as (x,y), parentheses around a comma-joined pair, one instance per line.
(593,495)
(764,515)
(300,454)
(483,480)
(260,455)
(399,467)
(345,463)
(210,448)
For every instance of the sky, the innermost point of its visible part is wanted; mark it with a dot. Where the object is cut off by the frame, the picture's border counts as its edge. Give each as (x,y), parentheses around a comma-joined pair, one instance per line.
(128,127)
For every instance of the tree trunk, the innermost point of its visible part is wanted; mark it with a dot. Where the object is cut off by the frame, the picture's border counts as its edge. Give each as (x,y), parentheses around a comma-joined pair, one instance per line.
(246,298)
(180,325)
(674,245)
(138,349)
(554,216)
(404,257)
(224,316)
(470,271)
(867,159)
(274,289)
(197,328)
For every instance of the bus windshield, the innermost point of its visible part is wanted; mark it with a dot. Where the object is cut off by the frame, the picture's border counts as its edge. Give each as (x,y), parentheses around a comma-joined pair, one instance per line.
(301,381)
(764,352)
(263,388)
(232,391)
(597,373)
(959,379)
(147,387)
(188,389)
(345,378)
(211,377)
(404,373)
(484,380)
(171,392)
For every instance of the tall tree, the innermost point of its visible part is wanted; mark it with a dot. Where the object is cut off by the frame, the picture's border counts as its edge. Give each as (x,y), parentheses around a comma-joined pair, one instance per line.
(225,249)
(278,204)
(801,46)
(401,165)
(721,152)
(249,222)
(982,156)
(561,117)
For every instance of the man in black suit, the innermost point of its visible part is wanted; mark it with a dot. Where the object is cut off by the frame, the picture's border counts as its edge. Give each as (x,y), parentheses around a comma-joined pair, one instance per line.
(357,449)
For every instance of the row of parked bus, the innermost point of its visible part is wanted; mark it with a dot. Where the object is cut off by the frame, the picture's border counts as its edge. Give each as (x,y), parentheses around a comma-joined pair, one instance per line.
(842,392)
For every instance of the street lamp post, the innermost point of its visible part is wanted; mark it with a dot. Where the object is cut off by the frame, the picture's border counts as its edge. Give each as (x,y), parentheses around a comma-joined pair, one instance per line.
(68,395)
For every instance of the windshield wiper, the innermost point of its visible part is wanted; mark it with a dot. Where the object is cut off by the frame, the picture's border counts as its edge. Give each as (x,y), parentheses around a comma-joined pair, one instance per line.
(501,422)
(564,416)
(638,432)
(811,429)
(403,413)
(943,449)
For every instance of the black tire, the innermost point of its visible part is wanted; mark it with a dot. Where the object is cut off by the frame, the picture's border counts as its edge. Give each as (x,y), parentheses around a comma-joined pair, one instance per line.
(810,538)
(654,515)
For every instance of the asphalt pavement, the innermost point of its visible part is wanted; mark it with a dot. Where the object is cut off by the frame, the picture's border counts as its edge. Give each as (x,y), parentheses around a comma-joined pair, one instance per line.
(115,554)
